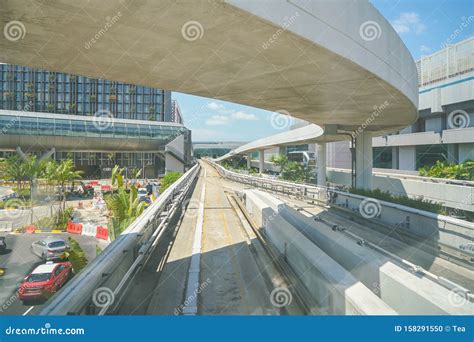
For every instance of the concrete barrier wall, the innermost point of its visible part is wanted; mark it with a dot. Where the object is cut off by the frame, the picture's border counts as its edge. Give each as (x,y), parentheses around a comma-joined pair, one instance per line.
(444,232)
(333,287)
(452,236)
(442,191)
(375,270)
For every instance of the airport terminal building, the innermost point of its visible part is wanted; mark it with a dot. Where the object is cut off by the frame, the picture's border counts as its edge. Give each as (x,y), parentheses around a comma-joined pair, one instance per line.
(445,127)
(97,123)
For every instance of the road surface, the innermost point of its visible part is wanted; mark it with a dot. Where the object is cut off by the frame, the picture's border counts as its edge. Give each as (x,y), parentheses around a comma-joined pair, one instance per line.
(19,261)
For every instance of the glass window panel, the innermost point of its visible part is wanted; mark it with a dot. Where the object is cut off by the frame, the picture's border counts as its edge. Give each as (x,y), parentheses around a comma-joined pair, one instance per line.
(145,131)
(78,128)
(133,131)
(63,127)
(93,129)
(29,124)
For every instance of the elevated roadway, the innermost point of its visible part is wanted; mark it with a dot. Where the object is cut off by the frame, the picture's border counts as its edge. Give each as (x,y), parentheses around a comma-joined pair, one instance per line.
(235,274)
(328,63)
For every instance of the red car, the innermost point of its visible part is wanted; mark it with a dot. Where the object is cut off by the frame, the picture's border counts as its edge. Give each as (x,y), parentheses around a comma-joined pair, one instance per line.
(45,280)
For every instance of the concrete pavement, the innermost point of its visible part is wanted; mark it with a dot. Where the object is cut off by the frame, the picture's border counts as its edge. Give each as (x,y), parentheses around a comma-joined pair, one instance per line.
(235,276)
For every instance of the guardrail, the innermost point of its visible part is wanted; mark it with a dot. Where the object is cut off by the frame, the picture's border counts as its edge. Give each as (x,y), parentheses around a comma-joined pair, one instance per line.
(305,192)
(453,238)
(99,287)
(413,177)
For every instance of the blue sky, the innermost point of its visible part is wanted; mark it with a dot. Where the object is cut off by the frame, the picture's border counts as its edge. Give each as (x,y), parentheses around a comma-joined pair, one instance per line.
(424,26)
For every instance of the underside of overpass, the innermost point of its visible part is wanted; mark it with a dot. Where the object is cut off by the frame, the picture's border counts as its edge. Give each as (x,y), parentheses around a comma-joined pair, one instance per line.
(312,61)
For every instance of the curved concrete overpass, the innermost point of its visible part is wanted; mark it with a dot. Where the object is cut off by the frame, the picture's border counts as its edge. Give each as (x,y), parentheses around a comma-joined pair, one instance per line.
(304,135)
(323,62)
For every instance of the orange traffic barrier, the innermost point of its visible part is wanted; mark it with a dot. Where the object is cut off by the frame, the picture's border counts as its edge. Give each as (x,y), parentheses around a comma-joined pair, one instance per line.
(30,229)
(102,233)
(74,228)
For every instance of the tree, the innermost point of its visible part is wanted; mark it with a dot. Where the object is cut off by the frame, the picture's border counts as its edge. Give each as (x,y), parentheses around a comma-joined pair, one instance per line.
(169,179)
(15,170)
(124,205)
(125,208)
(64,174)
(280,160)
(291,171)
(117,176)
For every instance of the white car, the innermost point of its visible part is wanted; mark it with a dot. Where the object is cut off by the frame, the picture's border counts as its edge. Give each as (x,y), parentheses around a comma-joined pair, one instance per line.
(142,193)
(49,248)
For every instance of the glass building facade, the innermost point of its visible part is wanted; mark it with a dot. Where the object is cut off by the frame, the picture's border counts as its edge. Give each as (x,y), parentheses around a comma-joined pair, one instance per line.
(42,109)
(27,89)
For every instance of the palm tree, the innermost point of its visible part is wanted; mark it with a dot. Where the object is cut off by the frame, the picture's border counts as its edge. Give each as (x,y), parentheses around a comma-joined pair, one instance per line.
(15,170)
(49,173)
(117,176)
(63,174)
(34,168)
(125,208)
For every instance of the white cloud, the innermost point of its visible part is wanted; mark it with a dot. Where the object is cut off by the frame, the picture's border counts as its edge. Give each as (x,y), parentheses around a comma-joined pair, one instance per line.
(217,120)
(425,49)
(215,106)
(408,22)
(244,116)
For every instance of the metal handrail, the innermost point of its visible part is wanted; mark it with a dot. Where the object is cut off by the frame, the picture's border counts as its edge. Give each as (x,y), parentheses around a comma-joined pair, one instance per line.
(304,191)
(117,263)
(260,182)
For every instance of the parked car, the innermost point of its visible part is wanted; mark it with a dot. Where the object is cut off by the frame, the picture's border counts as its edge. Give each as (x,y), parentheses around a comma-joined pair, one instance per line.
(3,244)
(45,280)
(142,192)
(50,248)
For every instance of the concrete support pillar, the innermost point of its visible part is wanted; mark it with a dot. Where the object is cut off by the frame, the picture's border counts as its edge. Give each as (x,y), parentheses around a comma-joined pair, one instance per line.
(321,164)
(363,164)
(395,158)
(453,153)
(282,150)
(249,161)
(407,158)
(261,164)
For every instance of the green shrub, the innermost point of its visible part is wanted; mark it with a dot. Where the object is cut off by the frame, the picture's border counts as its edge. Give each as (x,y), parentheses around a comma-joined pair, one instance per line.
(417,203)
(441,169)
(169,179)
(77,257)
